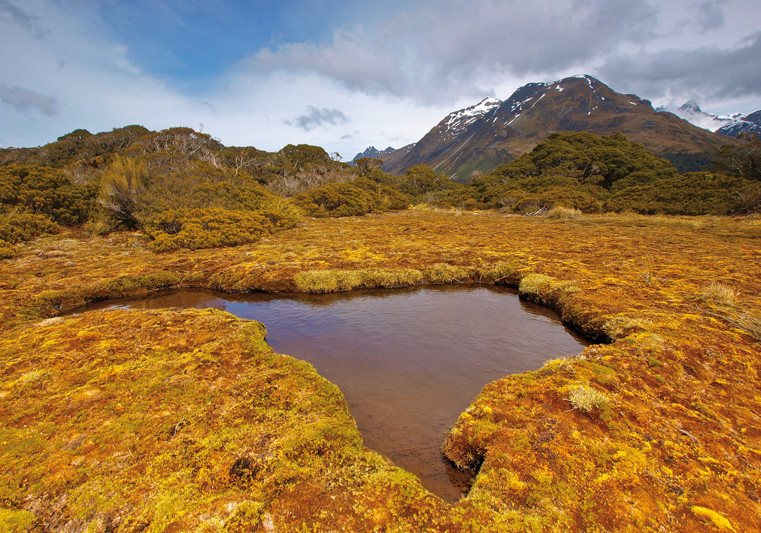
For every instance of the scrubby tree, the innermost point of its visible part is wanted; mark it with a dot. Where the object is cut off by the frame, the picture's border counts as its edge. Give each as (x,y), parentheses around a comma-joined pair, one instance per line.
(743,160)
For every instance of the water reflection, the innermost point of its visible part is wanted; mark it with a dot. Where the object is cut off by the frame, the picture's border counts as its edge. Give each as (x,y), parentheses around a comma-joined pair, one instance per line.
(408,361)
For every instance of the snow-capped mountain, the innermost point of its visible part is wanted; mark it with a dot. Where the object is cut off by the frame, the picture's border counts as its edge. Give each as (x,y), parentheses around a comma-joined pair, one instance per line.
(743,124)
(491,133)
(691,112)
(458,121)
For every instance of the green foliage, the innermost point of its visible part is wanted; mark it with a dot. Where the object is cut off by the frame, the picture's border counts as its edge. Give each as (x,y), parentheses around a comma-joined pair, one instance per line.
(743,160)
(16,520)
(7,250)
(695,193)
(350,199)
(120,186)
(21,227)
(206,228)
(591,173)
(44,191)
(421,179)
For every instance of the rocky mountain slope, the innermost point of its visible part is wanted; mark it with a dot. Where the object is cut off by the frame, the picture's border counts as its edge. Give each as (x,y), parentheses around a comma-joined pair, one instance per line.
(492,132)
(747,124)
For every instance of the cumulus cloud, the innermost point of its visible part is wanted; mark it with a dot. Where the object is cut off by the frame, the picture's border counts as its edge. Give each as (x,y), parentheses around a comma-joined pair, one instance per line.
(317,117)
(26,101)
(709,72)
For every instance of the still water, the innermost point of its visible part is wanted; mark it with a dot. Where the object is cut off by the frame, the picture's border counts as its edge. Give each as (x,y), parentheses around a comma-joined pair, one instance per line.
(407,361)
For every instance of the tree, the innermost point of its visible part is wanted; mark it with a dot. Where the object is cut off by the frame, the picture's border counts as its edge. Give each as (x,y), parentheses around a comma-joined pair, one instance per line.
(744,160)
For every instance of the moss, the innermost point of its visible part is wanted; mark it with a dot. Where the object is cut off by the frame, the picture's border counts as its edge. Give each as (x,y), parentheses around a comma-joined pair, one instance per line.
(322,281)
(148,413)
(16,521)
(716,519)
(446,273)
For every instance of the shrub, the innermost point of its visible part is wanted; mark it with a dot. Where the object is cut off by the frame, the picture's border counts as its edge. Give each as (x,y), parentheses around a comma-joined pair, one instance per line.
(354,198)
(7,250)
(206,228)
(44,191)
(21,227)
(120,186)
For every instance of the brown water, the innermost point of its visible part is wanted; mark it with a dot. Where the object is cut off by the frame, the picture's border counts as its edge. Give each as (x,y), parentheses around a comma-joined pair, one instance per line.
(407,361)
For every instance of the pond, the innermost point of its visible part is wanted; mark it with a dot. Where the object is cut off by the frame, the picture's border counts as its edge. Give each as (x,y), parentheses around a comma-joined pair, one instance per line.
(408,362)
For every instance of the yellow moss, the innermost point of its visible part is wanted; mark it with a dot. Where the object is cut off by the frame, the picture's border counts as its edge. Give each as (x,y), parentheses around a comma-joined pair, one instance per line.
(15,521)
(715,518)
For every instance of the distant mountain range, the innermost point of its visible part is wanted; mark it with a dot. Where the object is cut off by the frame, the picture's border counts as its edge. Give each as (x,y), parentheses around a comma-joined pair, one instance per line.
(731,125)
(493,132)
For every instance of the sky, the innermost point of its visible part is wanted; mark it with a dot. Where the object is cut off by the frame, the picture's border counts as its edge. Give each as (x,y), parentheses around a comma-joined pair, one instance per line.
(348,74)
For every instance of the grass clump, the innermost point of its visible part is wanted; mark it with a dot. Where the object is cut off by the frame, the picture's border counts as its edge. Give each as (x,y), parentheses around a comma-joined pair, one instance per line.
(545,290)
(586,399)
(561,212)
(620,327)
(715,518)
(719,294)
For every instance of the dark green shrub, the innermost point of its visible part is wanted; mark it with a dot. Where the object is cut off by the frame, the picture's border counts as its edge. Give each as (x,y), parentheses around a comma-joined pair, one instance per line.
(353,198)
(695,193)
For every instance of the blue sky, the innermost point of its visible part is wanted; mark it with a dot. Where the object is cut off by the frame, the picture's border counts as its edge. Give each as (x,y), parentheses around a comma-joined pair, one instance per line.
(348,74)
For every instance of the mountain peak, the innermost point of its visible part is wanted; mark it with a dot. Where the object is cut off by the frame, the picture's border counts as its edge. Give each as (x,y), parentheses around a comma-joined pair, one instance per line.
(691,105)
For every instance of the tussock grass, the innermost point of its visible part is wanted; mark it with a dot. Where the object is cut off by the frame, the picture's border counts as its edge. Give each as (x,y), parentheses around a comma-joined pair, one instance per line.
(719,294)
(560,212)
(586,399)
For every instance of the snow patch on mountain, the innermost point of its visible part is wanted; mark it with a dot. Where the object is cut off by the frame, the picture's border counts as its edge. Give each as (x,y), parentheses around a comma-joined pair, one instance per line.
(458,121)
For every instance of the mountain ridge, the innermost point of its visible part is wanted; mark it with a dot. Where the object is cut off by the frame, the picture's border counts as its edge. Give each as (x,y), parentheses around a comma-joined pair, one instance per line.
(536,110)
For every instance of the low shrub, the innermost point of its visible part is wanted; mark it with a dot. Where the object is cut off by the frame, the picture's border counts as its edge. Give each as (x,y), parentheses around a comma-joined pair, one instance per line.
(21,227)
(206,228)
(45,191)
(354,198)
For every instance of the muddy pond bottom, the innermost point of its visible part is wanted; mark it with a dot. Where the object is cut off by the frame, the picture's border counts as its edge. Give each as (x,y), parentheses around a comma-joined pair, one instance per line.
(408,362)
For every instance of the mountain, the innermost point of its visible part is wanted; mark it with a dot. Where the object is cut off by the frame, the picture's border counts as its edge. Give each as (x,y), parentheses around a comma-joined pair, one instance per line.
(747,124)
(491,133)
(691,112)
(372,152)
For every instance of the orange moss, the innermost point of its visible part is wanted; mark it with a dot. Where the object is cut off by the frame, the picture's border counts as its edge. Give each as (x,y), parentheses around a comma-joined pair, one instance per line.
(191,394)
